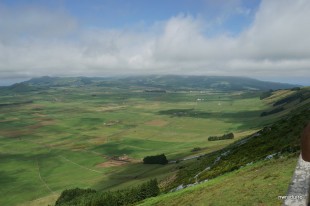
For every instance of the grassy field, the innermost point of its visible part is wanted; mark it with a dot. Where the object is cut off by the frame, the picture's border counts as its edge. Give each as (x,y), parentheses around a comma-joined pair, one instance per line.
(69,137)
(257,184)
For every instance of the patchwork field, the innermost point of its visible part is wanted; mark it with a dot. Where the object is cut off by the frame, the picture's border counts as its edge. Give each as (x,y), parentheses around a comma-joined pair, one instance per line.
(95,137)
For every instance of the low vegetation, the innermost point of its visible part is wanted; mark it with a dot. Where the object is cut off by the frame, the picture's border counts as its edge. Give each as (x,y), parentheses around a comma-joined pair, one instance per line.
(223,137)
(89,197)
(157,159)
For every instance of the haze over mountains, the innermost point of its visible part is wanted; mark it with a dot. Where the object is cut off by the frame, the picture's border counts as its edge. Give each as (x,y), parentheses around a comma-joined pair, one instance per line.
(169,82)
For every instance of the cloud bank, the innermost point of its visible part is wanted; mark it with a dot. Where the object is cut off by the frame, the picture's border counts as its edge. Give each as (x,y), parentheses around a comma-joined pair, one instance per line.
(36,42)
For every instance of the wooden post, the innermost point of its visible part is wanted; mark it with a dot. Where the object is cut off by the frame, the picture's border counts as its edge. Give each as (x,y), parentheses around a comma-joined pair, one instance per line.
(305,144)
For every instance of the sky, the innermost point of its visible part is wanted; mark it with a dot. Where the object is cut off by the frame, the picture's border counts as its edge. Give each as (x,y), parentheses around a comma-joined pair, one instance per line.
(264,39)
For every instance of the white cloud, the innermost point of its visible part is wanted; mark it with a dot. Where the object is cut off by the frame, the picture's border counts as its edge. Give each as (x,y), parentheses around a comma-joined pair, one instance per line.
(275,44)
(30,22)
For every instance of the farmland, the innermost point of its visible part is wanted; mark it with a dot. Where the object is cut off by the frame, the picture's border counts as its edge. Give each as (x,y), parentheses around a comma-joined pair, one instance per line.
(65,137)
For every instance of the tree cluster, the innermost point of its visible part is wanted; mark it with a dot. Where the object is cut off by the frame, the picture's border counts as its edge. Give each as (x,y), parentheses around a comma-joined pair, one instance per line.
(225,136)
(157,159)
(89,197)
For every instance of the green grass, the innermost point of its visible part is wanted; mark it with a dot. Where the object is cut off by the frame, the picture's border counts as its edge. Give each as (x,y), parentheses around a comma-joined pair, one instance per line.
(257,184)
(66,132)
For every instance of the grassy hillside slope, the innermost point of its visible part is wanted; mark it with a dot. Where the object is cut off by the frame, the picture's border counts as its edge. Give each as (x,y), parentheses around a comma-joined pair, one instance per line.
(258,184)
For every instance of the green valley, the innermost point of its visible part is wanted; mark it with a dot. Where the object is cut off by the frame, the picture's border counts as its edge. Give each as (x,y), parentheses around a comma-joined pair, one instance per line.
(63,133)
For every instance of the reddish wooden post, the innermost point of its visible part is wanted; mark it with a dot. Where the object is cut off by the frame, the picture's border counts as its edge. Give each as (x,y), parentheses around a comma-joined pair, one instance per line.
(305,144)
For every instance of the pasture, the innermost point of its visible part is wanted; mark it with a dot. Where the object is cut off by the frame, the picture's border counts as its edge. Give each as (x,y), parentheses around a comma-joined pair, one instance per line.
(67,137)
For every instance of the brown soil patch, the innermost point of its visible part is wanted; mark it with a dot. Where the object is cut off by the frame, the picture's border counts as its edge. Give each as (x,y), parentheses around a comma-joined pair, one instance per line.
(118,161)
(157,122)
(112,163)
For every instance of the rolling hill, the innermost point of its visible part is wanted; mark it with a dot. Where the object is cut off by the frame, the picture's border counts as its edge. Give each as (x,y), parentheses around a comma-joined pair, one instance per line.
(168,82)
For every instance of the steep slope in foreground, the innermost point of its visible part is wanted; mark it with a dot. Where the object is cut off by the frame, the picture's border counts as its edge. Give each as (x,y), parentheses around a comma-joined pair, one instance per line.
(257,184)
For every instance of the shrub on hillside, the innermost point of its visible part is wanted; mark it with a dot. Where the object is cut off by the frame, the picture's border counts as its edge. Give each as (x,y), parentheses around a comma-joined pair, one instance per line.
(223,137)
(69,195)
(88,197)
(157,159)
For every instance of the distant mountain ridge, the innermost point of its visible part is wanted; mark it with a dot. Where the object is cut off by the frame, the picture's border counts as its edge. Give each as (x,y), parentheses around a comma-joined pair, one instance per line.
(168,82)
